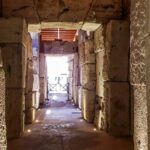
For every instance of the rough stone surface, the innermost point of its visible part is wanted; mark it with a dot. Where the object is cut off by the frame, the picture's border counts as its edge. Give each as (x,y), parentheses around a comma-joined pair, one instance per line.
(13,56)
(14,30)
(43,78)
(88,76)
(59,47)
(138,53)
(140,118)
(29,77)
(88,100)
(30,107)
(117,98)
(99,39)
(3,142)
(116,65)
(62,11)
(139,71)
(81,53)
(14,112)
(80,96)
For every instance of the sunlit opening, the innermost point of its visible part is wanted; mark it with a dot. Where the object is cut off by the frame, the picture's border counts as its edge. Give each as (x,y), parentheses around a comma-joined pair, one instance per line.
(57,72)
(29,131)
(48,112)
(54,97)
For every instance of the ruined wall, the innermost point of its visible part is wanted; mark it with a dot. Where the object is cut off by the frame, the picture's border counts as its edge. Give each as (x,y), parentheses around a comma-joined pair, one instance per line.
(3,141)
(139,72)
(112,68)
(14,50)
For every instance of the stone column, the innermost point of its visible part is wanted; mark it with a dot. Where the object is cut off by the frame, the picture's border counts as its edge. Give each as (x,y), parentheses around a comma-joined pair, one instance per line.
(43,78)
(76,78)
(87,78)
(29,94)
(3,141)
(140,72)
(14,49)
(70,77)
(112,59)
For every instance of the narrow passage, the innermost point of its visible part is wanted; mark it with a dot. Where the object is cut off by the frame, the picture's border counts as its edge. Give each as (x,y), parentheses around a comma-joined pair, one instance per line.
(59,126)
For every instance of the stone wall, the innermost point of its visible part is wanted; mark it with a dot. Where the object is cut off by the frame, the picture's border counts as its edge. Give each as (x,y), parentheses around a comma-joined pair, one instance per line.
(3,141)
(14,53)
(139,72)
(112,69)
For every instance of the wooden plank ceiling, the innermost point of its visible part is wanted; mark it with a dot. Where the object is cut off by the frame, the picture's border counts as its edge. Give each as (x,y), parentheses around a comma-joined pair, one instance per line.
(58,34)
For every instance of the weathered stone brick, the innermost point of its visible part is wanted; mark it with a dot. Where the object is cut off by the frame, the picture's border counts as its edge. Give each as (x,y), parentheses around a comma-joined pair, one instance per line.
(88,105)
(116,95)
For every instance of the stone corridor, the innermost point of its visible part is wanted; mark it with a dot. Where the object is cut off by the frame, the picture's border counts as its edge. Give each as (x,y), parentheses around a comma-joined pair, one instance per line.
(59,126)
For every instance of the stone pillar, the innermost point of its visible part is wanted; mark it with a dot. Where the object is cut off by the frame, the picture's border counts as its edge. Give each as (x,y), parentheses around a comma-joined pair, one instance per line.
(3,141)
(43,78)
(140,72)
(35,59)
(13,48)
(70,77)
(87,77)
(75,78)
(30,100)
(112,61)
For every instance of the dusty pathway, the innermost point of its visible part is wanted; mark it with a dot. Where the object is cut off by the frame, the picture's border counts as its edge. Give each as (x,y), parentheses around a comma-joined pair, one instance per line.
(60,127)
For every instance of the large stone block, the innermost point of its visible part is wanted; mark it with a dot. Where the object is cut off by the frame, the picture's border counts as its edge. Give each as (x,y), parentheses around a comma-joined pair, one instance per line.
(35,64)
(3,139)
(14,62)
(30,107)
(100,119)
(90,58)
(117,96)
(14,30)
(99,39)
(42,65)
(88,105)
(36,84)
(140,118)
(116,64)
(15,100)
(80,98)
(29,77)
(75,94)
(81,54)
(28,44)
(43,90)
(88,76)
(89,47)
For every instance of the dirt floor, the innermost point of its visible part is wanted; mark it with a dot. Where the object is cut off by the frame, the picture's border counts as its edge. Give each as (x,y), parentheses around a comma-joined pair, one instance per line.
(59,126)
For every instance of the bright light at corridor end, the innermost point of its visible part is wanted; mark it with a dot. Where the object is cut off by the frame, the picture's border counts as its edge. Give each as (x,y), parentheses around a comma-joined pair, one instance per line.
(94,129)
(48,112)
(29,131)
(54,97)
